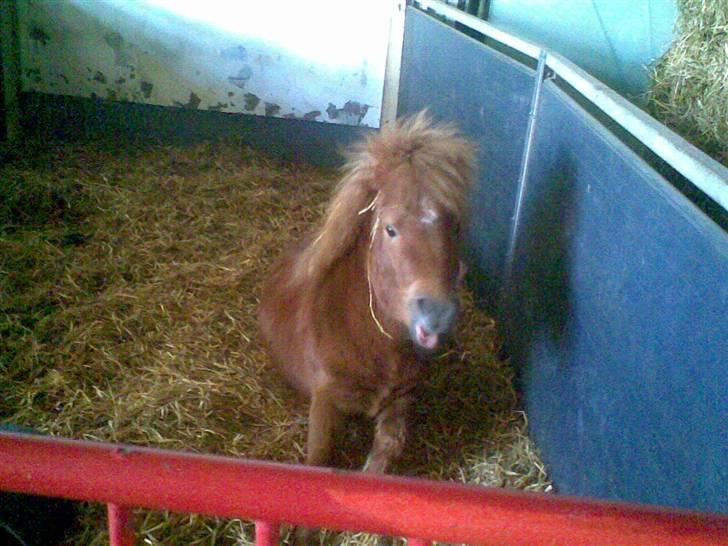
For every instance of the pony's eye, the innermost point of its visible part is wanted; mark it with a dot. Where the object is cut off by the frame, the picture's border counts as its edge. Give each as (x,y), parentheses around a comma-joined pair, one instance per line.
(390,231)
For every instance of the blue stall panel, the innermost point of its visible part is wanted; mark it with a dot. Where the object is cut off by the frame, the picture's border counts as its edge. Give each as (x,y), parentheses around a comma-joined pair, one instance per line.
(618,320)
(488,95)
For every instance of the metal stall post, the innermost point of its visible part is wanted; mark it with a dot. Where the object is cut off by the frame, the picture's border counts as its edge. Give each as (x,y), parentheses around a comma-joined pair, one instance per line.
(121,525)
(266,533)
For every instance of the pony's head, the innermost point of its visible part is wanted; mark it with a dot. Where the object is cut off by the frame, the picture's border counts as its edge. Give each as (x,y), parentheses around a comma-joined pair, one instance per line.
(404,195)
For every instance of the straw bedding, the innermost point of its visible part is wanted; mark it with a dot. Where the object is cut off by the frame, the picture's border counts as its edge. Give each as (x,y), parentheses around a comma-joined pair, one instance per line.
(129,278)
(689,88)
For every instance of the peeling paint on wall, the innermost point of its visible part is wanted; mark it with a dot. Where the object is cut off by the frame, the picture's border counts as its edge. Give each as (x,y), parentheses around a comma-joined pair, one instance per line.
(251,101)
(193,102)
(351,113)
(144,52)
(272,109)
(146,89)
(241,77)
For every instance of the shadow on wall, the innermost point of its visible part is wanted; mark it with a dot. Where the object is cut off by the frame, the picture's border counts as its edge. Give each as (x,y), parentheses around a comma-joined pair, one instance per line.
(541,263)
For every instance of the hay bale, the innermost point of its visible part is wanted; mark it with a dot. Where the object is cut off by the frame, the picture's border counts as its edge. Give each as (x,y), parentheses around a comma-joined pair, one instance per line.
(689,87)
(144,330)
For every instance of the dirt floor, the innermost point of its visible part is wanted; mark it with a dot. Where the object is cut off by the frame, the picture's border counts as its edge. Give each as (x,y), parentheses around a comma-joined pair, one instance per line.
(129,278)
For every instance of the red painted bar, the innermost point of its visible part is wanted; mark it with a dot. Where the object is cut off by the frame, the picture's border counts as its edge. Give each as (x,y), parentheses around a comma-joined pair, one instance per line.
(417,542)
(121,525)
(266,533)
(447,512)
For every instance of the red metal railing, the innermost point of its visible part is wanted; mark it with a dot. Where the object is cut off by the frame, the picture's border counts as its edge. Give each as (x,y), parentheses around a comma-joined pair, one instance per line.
(270,493)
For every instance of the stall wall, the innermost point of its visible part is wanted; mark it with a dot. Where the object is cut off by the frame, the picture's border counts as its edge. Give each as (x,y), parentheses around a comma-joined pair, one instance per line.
(614,296)
(619,319)
(321,60)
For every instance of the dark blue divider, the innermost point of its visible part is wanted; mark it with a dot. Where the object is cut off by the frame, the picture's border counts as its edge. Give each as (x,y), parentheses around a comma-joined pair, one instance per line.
(489,96)
(616,311)
(619,320)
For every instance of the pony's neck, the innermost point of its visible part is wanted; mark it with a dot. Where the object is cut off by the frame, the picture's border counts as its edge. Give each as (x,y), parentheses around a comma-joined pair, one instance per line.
(349,279)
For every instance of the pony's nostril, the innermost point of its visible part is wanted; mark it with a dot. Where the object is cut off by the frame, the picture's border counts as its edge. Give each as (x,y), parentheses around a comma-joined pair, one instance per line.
(428,307)
(436,314)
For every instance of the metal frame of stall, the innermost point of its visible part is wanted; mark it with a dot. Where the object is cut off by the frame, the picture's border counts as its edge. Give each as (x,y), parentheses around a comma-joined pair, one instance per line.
(271,494)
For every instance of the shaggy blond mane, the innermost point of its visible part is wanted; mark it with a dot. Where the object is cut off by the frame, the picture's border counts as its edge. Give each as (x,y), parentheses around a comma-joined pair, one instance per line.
(444,165)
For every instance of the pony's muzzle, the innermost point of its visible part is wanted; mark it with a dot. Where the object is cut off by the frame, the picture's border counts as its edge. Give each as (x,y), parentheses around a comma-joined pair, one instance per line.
(431,318)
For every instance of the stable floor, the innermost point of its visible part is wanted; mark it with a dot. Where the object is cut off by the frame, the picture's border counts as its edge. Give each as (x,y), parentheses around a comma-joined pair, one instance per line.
(129,277)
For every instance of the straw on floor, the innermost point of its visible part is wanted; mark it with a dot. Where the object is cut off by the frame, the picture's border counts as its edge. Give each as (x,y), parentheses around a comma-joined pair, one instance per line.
(689,88)
(128,290)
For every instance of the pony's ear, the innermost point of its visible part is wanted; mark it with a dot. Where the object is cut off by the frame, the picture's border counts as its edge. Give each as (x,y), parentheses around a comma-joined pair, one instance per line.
(346,215)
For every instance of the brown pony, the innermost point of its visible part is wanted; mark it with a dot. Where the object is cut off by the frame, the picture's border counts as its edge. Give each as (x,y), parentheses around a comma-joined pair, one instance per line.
(351,314)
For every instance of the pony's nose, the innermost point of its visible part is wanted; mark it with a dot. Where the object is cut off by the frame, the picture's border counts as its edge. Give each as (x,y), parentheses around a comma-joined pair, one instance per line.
(436,315)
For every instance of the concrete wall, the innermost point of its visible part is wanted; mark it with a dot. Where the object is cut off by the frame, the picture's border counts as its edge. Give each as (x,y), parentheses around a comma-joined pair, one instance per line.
(319,60)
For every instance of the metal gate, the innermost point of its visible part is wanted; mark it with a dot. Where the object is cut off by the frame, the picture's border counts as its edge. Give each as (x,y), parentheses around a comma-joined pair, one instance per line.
(124,477)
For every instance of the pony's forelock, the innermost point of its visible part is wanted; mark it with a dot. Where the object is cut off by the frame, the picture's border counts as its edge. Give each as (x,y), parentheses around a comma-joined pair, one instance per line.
(444,166)
(444,161)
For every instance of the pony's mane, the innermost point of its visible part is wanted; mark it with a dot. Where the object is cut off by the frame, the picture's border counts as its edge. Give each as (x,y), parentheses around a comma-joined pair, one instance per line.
(444,166)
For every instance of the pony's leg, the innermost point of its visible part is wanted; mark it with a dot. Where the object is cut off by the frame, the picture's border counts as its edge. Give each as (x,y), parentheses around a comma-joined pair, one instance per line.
(323,417)
(389,435)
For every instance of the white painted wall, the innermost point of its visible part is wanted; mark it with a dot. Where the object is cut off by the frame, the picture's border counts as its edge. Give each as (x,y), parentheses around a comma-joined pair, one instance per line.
(321,60)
